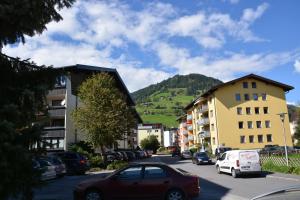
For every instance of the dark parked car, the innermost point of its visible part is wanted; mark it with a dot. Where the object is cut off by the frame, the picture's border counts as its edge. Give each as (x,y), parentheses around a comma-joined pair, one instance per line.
(176,152)
(76,163)
(130,155)
(201,158)
(60,167)
(219,151)
(141,181)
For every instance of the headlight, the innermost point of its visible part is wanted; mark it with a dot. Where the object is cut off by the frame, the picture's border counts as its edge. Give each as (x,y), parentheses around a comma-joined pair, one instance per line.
(199,159)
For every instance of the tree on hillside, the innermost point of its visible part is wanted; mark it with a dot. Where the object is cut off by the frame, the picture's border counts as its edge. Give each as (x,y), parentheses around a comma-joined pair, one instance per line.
(22,17)
(104,116)
(150,143)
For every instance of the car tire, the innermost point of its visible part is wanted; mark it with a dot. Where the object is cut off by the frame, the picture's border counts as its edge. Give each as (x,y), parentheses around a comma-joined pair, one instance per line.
(175,194)
(93,194)
(218,169)
(233,173)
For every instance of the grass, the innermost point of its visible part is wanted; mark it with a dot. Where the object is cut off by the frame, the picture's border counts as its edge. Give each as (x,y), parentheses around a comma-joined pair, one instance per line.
(269,166)
(165,107)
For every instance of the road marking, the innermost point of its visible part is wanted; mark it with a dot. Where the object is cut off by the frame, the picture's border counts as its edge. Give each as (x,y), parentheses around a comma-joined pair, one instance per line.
(284,178)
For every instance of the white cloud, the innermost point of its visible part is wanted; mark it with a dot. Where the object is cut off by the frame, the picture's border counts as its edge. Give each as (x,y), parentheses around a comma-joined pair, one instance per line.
(210,30)
(297,66)
(224,67)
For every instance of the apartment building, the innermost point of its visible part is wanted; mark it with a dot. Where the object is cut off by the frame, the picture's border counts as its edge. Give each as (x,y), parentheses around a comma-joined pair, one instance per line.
(183,133)
(62,100)
(145,130)
(242,113)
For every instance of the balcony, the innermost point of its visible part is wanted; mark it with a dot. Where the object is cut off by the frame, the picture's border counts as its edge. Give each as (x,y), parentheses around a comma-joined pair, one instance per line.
(203,109)
(204,134)
(203,121)
(54,132)
(191,138)
(185,140)
(183,125)
(190,127)
(57,92)
(57,111)
(189,117)
(184,132)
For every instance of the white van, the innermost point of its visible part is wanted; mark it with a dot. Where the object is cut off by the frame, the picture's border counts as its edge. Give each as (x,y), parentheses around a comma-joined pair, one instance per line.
(239,162)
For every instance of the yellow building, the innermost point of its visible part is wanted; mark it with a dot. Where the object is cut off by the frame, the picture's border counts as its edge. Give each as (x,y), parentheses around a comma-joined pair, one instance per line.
(242,113)
(145,130)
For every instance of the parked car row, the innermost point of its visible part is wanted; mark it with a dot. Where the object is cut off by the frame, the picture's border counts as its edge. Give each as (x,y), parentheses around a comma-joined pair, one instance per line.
(127,155)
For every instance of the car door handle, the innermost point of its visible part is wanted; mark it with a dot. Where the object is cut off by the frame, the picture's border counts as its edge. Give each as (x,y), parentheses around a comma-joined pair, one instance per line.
(166,182)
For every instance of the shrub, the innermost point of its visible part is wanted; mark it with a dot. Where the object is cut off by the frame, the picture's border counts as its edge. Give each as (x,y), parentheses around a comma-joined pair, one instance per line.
(118,164)
(193,150)
(96,161)
(161,149)
(270,166)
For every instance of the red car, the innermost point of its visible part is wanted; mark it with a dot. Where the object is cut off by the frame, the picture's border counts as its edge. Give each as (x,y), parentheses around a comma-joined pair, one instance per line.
(141,181)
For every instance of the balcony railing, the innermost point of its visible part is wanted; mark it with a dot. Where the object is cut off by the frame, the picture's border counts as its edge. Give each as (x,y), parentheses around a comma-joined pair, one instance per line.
(57,92)
(59,112)
(191,138)
(203,109)
(185,140)
(203,121)
(190,127)
(189,117)
(204,134)
(183,125)
(55,132)
(184,132)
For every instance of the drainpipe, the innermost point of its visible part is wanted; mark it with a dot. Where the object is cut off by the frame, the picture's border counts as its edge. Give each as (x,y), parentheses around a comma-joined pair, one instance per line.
(217,129)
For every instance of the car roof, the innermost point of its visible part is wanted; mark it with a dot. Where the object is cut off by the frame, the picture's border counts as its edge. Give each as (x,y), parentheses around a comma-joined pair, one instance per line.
(148,164)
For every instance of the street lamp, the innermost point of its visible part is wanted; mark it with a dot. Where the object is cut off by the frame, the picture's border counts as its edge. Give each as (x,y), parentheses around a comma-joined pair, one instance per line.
(282,115)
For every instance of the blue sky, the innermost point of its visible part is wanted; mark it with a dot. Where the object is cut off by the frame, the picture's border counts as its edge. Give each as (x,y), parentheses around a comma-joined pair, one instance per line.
(149,41)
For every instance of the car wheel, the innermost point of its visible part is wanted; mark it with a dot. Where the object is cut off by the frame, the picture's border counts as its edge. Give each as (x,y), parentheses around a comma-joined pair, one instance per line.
(93,195)
(233,173)
(218,169)
(175,194)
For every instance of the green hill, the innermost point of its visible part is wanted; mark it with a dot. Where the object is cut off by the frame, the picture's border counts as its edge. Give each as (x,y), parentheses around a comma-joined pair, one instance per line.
(163,102)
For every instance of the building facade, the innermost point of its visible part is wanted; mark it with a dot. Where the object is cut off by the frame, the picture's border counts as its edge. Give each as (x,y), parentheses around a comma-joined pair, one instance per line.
(60,131)
(145,130)
(242,114)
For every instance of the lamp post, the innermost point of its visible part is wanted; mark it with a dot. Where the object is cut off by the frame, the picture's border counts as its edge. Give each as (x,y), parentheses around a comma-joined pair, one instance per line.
(282,116)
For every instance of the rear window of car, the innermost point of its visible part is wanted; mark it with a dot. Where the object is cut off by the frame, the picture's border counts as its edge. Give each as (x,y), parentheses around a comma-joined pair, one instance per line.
(249,155)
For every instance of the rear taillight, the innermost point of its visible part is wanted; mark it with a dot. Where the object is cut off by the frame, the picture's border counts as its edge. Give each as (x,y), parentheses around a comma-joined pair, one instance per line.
(82,161)
(237,163)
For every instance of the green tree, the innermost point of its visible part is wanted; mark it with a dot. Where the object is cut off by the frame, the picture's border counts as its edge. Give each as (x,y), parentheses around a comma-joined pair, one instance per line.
(23,17)
(104,116)
(150,143)
(297,130)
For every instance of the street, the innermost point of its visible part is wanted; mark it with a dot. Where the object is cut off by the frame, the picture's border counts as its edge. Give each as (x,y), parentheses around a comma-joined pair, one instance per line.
(213,186)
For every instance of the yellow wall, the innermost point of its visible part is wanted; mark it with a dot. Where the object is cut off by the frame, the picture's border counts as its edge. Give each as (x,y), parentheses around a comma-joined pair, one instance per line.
(143,134)
(227,117)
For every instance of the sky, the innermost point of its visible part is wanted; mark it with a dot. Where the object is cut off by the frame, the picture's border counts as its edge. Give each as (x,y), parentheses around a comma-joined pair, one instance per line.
(150,41)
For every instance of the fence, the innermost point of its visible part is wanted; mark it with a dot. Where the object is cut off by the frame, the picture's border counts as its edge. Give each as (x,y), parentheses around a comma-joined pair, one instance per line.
(280,161)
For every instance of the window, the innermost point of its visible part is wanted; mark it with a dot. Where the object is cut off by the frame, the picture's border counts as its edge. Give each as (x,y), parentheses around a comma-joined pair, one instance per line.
(56,102)
(242,139)
(241,125)
(251,139)
(154,172)
(238,97)
(239,111)
(256,109)
(250,124)
(264,96)
(253,84)
(266,110)
(267,123)
(246,96)
(213,140)
(130,173)
(260,138)
(245,84)
(248,111)
(212,127)
(156,131)
(269,138)
(258,124)
(57,122)
(211,113)
(148,131)
(255,97)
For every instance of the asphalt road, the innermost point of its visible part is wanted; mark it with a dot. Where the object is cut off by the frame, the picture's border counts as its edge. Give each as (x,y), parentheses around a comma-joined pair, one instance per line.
(213,186)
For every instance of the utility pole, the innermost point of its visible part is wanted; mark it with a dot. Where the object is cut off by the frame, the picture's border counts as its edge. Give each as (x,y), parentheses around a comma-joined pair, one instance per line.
(282,116)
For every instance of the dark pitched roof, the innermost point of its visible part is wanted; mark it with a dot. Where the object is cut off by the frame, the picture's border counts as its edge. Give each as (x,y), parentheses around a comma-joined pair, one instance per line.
(91,69)
(253,76)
